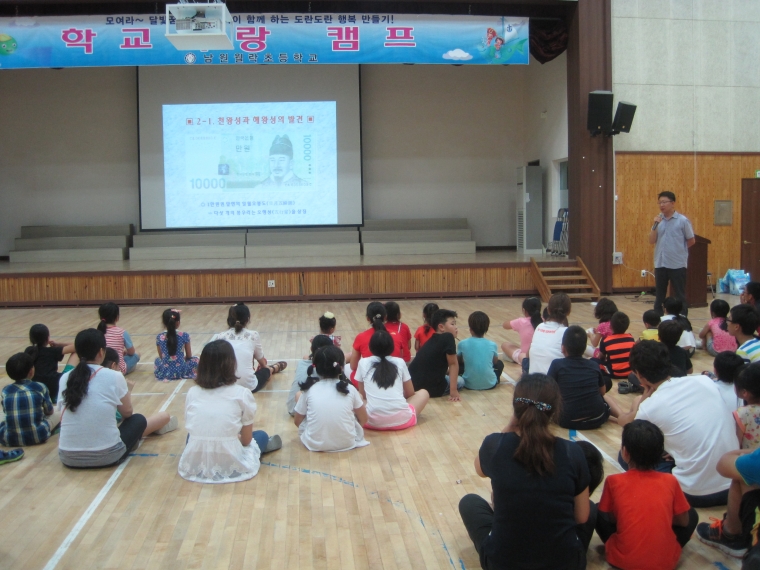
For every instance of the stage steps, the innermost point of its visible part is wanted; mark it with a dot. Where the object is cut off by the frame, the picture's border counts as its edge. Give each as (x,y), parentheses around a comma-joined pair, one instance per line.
(187,252)
(576,281)
(417,237)
(301,242)
(44,244)
(59,255)
(186,239)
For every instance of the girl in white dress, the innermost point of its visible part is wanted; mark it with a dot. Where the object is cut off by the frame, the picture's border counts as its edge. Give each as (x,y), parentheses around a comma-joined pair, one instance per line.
(222,446)
(247,346)
(329,411)
(384,381)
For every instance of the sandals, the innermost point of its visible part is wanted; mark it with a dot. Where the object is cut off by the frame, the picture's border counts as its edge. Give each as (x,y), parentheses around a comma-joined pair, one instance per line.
(279,366)
(9,456)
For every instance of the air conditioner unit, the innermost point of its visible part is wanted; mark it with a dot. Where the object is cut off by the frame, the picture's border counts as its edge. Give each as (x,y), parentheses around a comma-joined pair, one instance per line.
(530,211)
(199,27)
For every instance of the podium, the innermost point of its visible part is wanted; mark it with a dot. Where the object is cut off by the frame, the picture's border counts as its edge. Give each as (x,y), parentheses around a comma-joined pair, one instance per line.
(696,273)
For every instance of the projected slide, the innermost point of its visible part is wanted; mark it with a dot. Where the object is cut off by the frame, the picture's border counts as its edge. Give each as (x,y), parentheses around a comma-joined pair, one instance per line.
(250,164)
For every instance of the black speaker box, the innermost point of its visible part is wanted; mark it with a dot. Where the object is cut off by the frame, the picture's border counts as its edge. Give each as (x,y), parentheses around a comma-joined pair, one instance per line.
(623,117)
(599,112)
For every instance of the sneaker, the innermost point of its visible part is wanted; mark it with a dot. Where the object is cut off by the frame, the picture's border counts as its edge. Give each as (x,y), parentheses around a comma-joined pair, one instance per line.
(274,443)
(712,534)
(171,426)
(10,456)
(624,387)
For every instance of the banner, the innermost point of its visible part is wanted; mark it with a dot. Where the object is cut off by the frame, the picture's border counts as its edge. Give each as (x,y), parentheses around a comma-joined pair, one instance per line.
(296,39)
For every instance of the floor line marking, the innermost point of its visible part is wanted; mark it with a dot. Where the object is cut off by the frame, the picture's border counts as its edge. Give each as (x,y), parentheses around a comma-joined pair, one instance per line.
(68,541)
(176,391)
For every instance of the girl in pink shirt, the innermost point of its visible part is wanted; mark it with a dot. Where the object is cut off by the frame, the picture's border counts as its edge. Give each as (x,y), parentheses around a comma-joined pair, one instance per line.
(715,334)
(603,312)
(524,326)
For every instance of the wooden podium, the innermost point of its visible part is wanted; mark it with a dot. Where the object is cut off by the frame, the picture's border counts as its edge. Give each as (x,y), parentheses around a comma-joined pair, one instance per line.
(696,273)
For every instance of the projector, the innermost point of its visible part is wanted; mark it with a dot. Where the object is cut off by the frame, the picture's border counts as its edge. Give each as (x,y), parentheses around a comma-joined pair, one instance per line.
(199,27)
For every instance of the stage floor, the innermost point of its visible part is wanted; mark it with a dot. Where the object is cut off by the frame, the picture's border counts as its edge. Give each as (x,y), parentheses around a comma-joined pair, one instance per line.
(478,258)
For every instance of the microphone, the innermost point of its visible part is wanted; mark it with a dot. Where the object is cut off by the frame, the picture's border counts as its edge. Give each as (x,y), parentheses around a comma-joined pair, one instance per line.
(654,225)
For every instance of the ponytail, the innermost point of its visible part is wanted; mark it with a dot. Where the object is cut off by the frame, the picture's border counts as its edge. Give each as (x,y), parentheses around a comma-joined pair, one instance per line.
(385,372)
(88,344)
(238,317)
(532,306)
(376,315)
(328,364)
(170,318)
(536,402)
(108,313)
(427,313)
(39,335)
(685,322)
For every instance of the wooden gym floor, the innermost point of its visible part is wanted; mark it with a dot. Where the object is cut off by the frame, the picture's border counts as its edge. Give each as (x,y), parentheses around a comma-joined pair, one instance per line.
(390,505)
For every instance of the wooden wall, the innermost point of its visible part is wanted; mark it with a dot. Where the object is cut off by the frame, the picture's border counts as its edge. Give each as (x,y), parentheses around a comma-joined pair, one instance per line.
(291,284)
(697,181)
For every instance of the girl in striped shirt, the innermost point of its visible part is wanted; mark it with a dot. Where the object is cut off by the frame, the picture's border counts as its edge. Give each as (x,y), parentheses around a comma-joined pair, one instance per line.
(117,338)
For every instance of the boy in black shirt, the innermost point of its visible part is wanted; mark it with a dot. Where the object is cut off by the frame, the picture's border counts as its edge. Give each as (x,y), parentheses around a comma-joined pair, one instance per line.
(581,384)
(435,368)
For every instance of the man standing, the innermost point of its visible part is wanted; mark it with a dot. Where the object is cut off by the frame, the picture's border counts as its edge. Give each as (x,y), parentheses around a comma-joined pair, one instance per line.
(672,237)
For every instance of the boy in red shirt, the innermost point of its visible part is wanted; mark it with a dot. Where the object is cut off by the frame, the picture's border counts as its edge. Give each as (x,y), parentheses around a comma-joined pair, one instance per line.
(616,347)
(644,518)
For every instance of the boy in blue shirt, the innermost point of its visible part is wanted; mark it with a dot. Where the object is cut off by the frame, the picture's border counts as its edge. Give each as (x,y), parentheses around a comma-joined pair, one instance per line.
(29,415)
(479,357)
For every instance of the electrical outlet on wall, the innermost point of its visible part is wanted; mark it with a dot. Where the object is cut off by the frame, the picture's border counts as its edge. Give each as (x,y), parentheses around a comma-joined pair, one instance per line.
(617,258)
(643,272)
(270,283)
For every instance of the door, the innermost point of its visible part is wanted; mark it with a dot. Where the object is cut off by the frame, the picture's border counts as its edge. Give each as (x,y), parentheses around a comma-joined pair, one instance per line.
(750,227)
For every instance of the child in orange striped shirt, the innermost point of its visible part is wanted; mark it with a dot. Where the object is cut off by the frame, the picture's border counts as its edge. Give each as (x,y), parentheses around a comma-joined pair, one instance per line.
(616,348)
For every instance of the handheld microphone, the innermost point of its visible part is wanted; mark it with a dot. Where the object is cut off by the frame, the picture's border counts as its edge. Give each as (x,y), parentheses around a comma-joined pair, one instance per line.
(654,225)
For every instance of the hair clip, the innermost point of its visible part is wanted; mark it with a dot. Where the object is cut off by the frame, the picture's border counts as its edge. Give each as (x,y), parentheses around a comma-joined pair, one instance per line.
(540,406)
(378,316)
(335,364)
(175,310)
(328,315)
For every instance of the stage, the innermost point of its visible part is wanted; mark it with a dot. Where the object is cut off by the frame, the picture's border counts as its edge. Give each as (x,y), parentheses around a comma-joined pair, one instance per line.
(484,273)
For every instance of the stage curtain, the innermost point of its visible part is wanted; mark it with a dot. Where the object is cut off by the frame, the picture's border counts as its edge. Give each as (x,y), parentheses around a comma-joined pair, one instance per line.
(548,39)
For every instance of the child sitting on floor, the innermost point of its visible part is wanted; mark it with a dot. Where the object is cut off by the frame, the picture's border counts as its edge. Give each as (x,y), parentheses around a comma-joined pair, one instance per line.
(603,312)
(46,354)
(546,345)
(247,346)
(329,411)
(29,415)
(384,381)
(726,369)
(651,322)
(219,416)
(616,347)
(673,308)
(747,417)
(524,326)
(670,332)
(400,332)
(435,368)
(479,357)
(714,334)
(643,518)
(327,324)
(423,333)
(175,357)
(117,338)
(742,322)
(581,385)
(304,369)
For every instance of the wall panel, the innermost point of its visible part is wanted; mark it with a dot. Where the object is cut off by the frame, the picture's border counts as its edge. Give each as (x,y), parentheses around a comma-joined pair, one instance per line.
(293,284)
(697,180)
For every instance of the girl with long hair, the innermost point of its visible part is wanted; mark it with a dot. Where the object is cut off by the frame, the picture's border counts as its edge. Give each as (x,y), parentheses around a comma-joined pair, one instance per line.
(384,381)
(90,396)
(175,357)
(540,485)
(248,349)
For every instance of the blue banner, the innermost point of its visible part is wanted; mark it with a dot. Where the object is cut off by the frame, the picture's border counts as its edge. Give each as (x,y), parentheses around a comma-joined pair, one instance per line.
(302,39)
